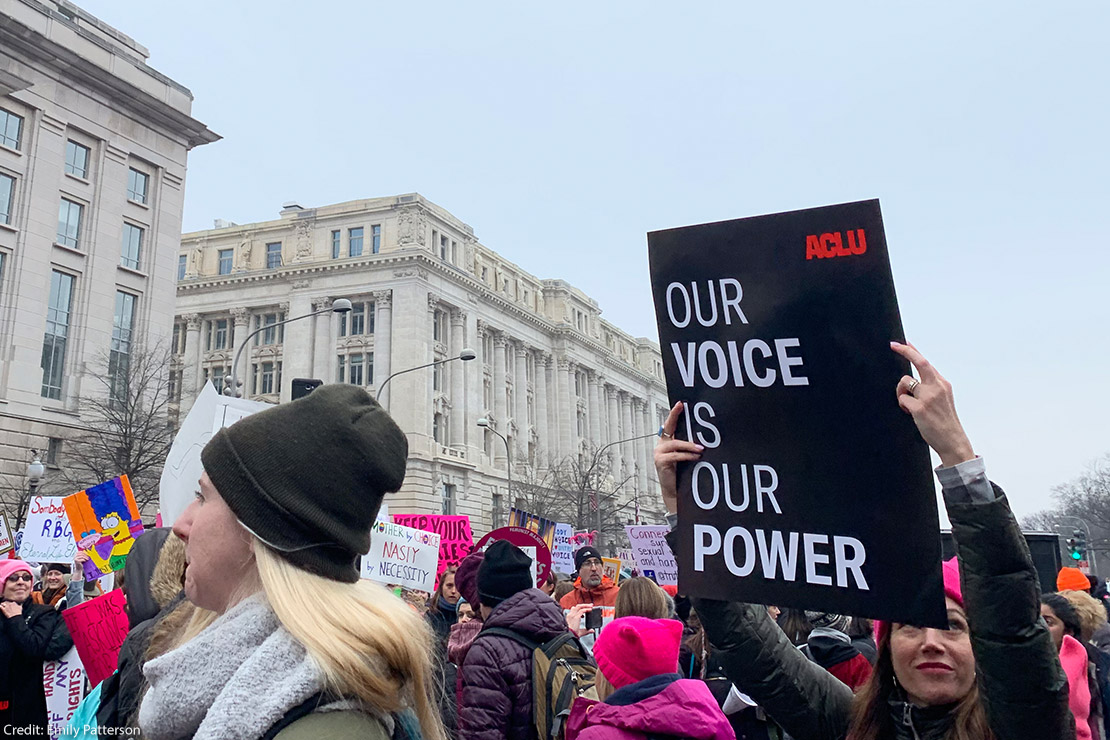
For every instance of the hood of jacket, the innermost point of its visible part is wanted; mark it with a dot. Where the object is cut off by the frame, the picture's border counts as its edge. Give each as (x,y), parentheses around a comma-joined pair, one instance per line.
(531,613)
(137,571)
(666,705)
(827,647)
(1073,659)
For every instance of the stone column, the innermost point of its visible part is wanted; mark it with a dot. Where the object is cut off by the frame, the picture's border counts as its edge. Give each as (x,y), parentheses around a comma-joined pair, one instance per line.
(322,343)
(244,372)
(500,403)
(566,408)
(614,431)
(595,411)
(297,346)
(543,429)
(383,329)
(638,448)
(458,370)
(520,391)
(629,451)
(190,377)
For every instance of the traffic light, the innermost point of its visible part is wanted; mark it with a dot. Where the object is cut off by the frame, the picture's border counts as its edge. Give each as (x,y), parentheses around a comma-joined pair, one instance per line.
(1077,545)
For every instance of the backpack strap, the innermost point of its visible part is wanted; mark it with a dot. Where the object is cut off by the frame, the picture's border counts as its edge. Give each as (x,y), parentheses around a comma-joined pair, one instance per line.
(510,634)
(305,708)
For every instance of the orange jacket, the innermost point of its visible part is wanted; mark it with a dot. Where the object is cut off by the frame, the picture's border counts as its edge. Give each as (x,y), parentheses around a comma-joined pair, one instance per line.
(603,595)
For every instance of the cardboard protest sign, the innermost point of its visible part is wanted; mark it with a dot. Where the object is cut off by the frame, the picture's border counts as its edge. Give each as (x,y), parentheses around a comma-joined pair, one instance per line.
(209,413)
(7,542)
(455,539)
(63,681)
(47,537)
(98,627)
(775,333)
(545,528)
(562,554)
(611,567)
(652,554)
(105,522)
(402,556)
(524,539)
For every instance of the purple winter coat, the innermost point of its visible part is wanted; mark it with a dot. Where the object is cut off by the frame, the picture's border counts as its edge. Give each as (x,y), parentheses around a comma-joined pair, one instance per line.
(661,706)
(497,672)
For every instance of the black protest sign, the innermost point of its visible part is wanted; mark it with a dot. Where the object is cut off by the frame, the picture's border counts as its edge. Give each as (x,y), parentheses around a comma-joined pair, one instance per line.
(815,488)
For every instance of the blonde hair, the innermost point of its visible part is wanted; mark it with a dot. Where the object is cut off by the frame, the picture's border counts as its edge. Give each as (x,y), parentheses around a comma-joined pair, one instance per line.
(640,597)
(1091,612)
(369,644)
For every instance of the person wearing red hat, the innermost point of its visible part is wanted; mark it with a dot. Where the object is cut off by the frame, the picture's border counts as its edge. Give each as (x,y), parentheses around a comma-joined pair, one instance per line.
(1072,579)
(642,694)
(30,633)
(992,675)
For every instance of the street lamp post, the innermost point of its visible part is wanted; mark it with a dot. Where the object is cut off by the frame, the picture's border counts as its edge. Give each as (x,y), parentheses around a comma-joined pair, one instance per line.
(597,457)
(35,472)
(465,354)
(340,305)
(484,423)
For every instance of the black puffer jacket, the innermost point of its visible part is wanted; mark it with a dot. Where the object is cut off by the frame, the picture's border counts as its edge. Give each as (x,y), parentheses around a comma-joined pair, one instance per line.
(1022,687)
(497,673)
(26,640)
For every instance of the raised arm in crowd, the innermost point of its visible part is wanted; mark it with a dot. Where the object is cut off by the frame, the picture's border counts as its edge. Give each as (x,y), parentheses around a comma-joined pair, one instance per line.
(992,675)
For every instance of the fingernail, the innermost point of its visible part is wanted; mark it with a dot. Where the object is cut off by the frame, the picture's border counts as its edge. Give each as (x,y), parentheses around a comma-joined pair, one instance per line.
(895,344)
(700,448)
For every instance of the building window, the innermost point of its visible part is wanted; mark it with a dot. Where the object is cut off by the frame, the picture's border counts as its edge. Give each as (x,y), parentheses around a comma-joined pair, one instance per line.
(444,244)
(119,358)
(177,344)
(182,260)
(439,429)
(273,255)
(132,246)
(271,332)
(77,159)
(356,369)
(217,334)
(375,238)
(7,197)
(226,258)
(137,185)
(53,451)
(335,242)
(264,379)
(439,325)
(449,499)
(360,321)
(69,223)
(11,129)
(437,377)
(357,376)
(354,242)
(57,332)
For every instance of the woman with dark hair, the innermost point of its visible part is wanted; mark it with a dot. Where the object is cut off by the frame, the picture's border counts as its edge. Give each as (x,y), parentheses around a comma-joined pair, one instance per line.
(443,609)
(1066,629)
(992,675)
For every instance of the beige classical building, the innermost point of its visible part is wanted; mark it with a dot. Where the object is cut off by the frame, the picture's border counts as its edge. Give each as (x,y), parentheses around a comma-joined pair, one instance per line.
(551,375)
(93,145)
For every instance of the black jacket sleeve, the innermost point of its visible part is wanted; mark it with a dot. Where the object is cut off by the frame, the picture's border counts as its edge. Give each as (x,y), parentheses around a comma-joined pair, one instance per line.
(42,634)
(802,697)
(1023,688)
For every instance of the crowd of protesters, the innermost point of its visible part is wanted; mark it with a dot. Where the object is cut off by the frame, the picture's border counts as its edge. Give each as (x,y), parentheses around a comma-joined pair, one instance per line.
(249,620)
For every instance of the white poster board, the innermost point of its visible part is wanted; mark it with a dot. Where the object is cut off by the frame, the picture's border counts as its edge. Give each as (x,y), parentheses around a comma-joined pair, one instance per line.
(209,413)
(562,554)
(7,541)
(47,537)
(402,556)
(63,681)
(652,554)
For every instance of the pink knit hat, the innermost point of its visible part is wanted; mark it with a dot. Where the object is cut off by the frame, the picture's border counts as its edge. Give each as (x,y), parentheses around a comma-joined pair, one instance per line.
(7,567)
(950,572)
(631,649)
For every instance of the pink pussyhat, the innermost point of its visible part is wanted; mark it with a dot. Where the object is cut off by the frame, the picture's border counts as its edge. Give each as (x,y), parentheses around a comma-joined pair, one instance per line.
(8,567)
(631,649)
(950,572)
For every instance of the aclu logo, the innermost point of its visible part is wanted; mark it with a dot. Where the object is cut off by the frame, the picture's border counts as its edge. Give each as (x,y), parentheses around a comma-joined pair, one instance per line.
(835,244)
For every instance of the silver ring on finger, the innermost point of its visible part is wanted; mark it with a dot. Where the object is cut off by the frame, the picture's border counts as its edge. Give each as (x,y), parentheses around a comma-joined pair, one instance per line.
(913,386)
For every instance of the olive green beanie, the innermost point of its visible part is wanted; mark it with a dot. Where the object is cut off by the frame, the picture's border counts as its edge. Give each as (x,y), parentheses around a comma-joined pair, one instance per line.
(308,477)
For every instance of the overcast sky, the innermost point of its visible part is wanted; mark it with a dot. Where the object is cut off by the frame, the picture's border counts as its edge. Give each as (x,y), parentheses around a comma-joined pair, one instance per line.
(563,132)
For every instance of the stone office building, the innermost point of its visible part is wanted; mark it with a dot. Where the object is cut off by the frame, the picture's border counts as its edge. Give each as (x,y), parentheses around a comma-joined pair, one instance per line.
(93,146)
(551,375)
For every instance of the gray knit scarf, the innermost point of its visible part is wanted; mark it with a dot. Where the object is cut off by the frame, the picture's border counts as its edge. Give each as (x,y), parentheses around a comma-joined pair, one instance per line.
(235,680)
